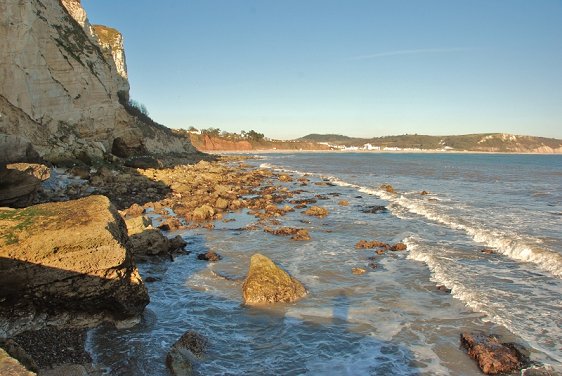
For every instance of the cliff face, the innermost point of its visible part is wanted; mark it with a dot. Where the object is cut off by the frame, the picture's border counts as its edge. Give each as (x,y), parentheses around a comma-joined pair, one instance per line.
(62,82)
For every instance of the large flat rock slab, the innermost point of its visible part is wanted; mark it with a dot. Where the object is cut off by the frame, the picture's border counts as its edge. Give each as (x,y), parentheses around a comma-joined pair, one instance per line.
(69,256)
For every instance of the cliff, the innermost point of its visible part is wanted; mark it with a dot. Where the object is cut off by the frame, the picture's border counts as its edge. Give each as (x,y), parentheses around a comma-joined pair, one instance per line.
(64,86)
(206,143)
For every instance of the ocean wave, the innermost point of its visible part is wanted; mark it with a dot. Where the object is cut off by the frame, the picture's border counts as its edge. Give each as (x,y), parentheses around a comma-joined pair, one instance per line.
(506,244)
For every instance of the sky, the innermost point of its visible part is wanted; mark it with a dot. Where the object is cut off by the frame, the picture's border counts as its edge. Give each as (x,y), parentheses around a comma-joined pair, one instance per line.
(363,68)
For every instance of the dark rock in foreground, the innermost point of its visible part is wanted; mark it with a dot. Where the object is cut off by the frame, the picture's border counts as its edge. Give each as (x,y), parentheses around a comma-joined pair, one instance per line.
(189,347)
(492,356)
(267,283)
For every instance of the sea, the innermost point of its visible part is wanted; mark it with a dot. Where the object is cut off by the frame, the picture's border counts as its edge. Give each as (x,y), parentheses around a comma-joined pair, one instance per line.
(393,319)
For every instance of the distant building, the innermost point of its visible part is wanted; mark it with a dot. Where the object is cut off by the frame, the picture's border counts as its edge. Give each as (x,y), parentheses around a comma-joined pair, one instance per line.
(371,147)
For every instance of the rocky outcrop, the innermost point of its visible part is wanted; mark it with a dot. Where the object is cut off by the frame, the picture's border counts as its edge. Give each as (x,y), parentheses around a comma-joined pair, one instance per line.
(267,283)
(69,257)
(492,356)
(61,90)
(111,43)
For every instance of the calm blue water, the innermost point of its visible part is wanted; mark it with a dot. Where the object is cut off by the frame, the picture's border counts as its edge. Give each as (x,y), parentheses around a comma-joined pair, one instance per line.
(391,320)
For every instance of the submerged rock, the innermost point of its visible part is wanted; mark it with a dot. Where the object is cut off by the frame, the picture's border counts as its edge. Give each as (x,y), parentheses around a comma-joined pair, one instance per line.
(184,352)
(398,247)
(69,256)
(267,283)
(358,271)
(364,244)
(209,256)
(375,209)
(492,356)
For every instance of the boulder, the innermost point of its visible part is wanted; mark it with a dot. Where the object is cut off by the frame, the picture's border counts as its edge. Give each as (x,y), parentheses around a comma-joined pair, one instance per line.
(343,203)
(137,225)
(398,247)
(375,209)
(69,256)
(190,347)
(358,271)
(209,256)
(10,366)
(317,211)
(388,188)
(202,213)
(17,188)
(16,149)
(267,283)
(150,242)
(300,235)
(492,356)
(177,244)
(364,244)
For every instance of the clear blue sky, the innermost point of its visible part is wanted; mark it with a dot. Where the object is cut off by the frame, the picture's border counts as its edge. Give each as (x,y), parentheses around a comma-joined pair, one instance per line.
(361,68)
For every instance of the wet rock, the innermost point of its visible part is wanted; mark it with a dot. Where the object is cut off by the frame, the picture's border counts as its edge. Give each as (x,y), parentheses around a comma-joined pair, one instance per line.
(209,256)
(190,347)
(151,279)
(150,242)
(375,209)
(266,283)
(69,256)
(388,188)
(540,371)
(316,211)
(424,193)
(398,247)
(364,244)
(358,271)
(487,251)
(343,203)
(380,251)
(443,288)
(176,244)
(301,235)
(298,233)
(492,356)
(170,224)
(373,265)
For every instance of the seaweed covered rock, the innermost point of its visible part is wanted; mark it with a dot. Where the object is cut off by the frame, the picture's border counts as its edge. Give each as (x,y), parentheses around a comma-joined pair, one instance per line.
(267,283)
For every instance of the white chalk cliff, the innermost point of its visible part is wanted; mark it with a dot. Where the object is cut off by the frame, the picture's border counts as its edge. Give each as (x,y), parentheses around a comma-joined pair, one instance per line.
(64,83)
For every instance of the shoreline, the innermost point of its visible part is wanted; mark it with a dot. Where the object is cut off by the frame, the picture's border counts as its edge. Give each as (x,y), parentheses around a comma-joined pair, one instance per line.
(185,200)
(291,151)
